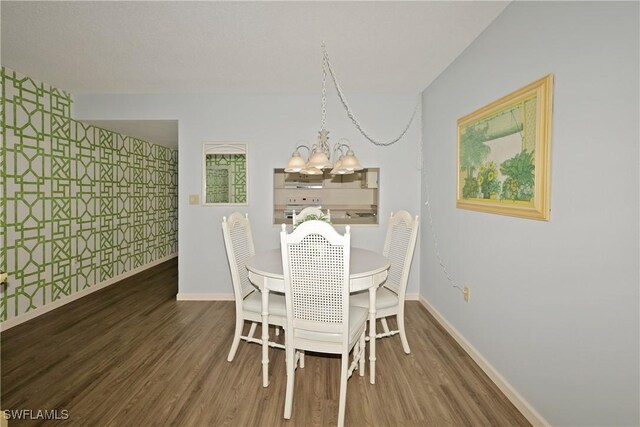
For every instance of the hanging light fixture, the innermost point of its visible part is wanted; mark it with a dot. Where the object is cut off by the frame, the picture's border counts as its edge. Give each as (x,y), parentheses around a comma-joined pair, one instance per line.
(320,153)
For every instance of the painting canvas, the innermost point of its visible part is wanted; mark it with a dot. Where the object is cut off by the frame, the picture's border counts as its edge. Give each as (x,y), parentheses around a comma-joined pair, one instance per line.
(503,154)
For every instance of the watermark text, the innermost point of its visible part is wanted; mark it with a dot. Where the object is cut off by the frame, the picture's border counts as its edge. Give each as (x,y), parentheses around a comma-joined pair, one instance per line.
(35,414)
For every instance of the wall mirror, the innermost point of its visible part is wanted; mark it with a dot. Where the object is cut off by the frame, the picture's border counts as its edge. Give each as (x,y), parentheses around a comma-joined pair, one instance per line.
(224,174)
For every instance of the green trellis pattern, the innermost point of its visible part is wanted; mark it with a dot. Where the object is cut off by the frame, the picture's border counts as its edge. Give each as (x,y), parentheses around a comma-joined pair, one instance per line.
(79,204)
(232,189)
(217,185)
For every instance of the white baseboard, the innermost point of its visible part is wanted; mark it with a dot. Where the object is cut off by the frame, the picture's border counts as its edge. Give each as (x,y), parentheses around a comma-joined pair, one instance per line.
(518,401)
(411,297)
(10,323)
(182,296)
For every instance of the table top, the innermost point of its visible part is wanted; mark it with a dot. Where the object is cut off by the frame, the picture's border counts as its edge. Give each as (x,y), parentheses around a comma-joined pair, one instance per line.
(364,263)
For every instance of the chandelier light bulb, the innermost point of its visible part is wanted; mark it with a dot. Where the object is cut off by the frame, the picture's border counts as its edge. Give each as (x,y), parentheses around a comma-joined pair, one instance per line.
(319,160)
(296,163)
(311,171)
(350,162)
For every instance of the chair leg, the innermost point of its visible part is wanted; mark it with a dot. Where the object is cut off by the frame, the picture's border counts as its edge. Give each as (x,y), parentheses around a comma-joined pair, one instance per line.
(252,329)
(291,371)
(343,389)
(299,359)
(385,326)
(236,339)
(403,334)
(362,353)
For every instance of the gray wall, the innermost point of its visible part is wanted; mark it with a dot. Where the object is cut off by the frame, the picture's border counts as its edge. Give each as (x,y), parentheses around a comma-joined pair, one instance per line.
(554,305)
(271,124)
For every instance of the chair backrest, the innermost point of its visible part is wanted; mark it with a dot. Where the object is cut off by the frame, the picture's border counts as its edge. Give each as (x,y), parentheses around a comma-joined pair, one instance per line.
(238,242)
(310,211)
(315,261)
(399,245)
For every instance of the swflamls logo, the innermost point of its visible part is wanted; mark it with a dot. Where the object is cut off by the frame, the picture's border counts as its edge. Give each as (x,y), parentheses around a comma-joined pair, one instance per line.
(35,414)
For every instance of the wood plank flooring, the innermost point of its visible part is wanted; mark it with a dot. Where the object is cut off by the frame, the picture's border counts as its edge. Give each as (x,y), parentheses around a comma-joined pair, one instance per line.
(131,355)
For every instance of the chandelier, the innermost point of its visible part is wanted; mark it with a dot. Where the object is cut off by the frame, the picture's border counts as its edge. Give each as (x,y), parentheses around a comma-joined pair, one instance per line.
(320,153)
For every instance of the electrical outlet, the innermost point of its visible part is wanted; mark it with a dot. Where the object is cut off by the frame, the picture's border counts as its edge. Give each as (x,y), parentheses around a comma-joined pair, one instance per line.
(467,294)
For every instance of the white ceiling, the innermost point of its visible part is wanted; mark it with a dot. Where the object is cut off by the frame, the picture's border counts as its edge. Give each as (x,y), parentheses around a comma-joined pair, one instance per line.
(192,47)
(249,47)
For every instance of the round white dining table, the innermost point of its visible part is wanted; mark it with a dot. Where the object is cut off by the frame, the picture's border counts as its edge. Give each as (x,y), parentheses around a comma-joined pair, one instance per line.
(367,271)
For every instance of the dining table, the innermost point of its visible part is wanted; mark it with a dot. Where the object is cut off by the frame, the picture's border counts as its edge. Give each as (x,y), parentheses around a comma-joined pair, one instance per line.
(367,271)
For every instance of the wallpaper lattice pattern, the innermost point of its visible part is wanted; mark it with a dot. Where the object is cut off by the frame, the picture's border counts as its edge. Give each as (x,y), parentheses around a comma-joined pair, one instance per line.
(226,178)
(79,204)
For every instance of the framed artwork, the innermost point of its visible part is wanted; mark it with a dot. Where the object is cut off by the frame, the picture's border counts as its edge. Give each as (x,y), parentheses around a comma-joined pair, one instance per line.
(224,174)
(504,154)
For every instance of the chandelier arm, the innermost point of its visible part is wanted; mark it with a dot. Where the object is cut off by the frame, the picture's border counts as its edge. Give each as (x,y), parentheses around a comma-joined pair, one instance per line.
(303,146)
(340,145)
(326,62)
(338,148)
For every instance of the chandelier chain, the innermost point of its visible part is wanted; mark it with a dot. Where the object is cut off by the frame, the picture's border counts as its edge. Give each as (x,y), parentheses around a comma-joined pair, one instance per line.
(324,95)
(327,63)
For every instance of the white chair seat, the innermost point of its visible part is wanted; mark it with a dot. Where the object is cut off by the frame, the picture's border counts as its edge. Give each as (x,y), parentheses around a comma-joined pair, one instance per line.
(277,306)
(385,298)
(357,320)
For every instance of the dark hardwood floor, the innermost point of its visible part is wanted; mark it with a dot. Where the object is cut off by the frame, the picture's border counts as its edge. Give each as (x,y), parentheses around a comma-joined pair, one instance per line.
(131,355)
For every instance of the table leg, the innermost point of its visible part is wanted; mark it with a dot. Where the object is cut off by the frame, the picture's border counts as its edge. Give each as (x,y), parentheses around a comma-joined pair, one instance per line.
(265,337)
(372,334)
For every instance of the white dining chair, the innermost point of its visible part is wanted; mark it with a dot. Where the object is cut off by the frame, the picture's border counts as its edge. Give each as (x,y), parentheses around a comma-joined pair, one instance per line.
(311,210)
(238,242)
(399,246)
(315,261)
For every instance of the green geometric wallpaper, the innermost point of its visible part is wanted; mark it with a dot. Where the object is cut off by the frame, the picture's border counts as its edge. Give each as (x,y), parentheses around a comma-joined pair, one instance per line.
(226,178)
(78,204)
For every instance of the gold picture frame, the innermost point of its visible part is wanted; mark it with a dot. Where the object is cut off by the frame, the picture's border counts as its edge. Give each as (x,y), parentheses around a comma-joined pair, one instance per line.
(504,152)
